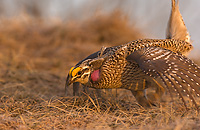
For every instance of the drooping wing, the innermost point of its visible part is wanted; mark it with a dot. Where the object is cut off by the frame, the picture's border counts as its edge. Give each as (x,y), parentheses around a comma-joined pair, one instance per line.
(176,71)
(176,28)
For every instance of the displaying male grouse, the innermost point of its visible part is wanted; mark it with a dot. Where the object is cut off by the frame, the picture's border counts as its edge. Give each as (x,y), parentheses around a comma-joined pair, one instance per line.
(143,64)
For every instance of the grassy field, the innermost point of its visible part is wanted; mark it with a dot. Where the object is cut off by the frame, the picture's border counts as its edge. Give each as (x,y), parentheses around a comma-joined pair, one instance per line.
(36,56)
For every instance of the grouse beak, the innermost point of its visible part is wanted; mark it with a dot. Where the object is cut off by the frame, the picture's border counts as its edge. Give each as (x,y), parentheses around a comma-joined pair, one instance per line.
(68,81)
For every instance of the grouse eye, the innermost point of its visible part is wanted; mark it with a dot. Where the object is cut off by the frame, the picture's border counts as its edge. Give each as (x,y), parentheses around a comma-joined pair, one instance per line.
(79,73)
(86,69)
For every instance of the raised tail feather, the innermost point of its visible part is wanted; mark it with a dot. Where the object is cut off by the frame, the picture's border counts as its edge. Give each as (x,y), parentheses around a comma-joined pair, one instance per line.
(176,28)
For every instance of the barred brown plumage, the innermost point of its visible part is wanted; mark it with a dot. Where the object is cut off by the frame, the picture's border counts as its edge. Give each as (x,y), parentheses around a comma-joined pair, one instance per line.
(135,66)
(143,64)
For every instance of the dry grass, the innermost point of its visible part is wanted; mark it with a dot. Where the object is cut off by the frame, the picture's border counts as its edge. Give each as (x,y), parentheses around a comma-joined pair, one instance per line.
(35,58)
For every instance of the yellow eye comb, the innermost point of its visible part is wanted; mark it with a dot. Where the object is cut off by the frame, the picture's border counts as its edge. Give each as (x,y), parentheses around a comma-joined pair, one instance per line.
(74,71)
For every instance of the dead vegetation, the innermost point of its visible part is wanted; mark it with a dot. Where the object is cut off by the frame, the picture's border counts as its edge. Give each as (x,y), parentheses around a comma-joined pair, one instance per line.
(35,58)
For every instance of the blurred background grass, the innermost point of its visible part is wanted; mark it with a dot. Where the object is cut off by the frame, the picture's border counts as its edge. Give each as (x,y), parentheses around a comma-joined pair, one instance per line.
(150,16)
(41,40)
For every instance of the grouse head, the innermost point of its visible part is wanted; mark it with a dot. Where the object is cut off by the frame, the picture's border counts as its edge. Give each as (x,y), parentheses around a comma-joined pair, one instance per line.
(85,73)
